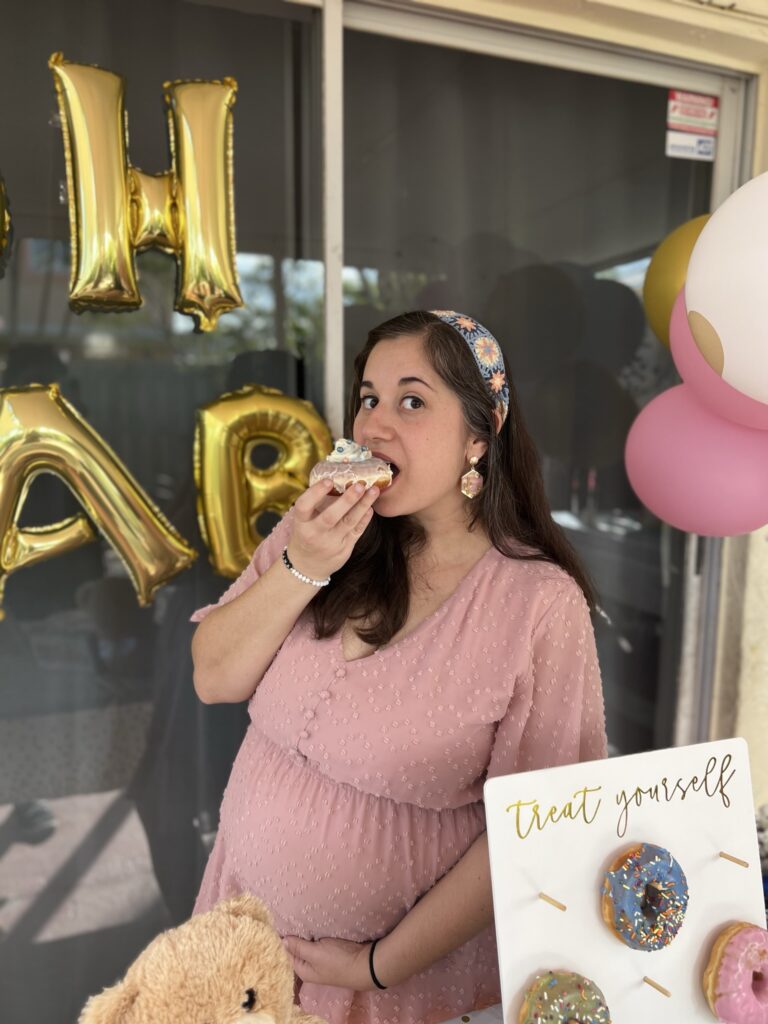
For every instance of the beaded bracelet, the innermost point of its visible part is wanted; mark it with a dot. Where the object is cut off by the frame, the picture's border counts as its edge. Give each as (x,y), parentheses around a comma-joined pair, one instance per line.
(300,575)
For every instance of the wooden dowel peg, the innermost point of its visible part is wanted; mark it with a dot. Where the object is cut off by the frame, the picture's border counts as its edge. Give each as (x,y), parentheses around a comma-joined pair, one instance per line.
(734,860)
(552,902)
(658,987)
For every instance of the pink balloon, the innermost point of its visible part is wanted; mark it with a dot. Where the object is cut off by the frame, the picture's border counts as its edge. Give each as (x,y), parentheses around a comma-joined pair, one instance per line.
(696,471)
(709,386)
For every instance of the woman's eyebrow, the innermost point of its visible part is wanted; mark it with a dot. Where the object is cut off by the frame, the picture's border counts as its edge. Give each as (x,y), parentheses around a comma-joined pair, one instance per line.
(403,380)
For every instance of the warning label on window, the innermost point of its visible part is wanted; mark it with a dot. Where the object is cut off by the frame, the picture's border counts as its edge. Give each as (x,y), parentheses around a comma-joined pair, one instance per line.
(691,125)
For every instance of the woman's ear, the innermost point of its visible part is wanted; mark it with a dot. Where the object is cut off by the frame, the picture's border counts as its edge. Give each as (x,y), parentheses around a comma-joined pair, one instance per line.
(245,905)
(111,1006)
(478,447)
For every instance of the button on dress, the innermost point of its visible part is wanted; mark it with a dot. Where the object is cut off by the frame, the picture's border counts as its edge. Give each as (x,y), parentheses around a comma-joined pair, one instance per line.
(359,784)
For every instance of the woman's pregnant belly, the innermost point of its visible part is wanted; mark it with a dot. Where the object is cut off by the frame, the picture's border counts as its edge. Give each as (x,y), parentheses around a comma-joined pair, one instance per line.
(326,858)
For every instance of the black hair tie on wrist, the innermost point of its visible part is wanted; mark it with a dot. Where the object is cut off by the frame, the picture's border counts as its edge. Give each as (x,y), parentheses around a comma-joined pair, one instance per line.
(375,980)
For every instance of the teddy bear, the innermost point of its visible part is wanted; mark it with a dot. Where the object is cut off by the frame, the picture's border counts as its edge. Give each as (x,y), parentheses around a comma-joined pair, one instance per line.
(226,966)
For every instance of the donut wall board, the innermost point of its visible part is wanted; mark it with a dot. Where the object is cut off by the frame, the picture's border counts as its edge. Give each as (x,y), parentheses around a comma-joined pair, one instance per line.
(553,835)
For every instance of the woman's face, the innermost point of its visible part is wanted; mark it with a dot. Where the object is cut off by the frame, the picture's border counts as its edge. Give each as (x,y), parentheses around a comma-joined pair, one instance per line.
(410,417)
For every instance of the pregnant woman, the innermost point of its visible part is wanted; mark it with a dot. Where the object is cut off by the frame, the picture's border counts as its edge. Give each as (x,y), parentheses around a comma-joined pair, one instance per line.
(397,649)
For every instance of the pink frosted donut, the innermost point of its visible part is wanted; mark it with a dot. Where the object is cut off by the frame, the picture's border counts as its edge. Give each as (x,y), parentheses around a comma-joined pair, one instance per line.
(736,977)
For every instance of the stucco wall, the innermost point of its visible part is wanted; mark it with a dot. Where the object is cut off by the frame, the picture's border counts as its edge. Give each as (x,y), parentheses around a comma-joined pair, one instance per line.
(752,674)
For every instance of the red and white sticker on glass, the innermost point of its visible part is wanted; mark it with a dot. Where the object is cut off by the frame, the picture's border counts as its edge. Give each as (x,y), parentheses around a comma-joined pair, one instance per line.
(691,125)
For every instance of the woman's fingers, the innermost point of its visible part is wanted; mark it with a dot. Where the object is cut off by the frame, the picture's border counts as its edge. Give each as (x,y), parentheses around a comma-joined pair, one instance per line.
(306,504)
(327,527)
(359,528)
(360,514)
(320,499)
(342,507)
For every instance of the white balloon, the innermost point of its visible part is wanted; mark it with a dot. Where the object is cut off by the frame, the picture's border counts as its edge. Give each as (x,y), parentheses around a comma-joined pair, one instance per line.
(727,283)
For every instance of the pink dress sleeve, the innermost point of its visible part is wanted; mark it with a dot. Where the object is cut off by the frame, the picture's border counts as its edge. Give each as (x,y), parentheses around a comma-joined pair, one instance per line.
(265,554)
(556,713)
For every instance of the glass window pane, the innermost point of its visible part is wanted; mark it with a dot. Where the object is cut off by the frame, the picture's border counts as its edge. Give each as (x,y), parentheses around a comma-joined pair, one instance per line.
(111,770)
(532,198)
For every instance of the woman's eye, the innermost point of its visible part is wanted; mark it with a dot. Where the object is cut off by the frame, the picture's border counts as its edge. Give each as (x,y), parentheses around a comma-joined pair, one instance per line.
(408,398)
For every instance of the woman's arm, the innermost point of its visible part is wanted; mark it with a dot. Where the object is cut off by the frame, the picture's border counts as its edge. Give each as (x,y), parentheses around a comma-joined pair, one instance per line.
(456,909)
(234,645)
(452,912)
(237,639)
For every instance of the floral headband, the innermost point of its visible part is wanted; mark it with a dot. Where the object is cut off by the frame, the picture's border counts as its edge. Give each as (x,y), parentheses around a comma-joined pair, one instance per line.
(487,353)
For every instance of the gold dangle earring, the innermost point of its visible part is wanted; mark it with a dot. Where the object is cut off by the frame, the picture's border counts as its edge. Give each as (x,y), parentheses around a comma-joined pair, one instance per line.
(472,481)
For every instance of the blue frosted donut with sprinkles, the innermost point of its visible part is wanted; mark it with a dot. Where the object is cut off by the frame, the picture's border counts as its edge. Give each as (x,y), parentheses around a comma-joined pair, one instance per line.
(645,897)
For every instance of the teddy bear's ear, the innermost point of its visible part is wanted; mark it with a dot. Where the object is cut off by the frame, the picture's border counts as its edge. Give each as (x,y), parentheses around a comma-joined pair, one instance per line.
(109,1007)
(245,906)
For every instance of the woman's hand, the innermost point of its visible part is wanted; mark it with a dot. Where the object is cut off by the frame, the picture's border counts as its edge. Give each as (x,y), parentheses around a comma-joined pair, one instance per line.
(331,962)
(326,528)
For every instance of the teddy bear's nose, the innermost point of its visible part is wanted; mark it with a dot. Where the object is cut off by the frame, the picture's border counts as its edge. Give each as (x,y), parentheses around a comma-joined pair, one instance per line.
(250,999)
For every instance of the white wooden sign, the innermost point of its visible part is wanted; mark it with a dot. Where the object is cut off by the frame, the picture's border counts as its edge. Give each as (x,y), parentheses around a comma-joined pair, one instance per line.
(556,832)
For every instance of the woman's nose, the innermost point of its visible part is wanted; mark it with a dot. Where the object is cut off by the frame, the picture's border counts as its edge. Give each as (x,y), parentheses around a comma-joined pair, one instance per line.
(377,423)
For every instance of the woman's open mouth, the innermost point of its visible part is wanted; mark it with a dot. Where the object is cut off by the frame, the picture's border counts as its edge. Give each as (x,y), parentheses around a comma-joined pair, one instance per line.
(395,469)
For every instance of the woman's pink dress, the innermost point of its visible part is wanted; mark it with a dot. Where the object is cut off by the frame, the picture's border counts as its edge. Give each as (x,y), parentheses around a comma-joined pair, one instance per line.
(359,784)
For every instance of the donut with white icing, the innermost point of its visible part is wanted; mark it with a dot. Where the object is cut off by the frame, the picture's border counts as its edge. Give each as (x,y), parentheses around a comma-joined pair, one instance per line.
(350,462)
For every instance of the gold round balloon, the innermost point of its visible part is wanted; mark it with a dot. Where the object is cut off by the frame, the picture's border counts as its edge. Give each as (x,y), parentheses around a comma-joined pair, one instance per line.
(40,432)
(231,492)
(6,228)
(666,274)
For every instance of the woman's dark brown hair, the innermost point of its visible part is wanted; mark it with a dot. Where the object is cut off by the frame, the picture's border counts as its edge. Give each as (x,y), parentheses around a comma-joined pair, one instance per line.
(512,507)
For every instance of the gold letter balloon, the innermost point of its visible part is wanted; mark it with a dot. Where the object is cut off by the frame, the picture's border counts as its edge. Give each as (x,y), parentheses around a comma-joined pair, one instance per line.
(232,492)
(41,432)
(116,210)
